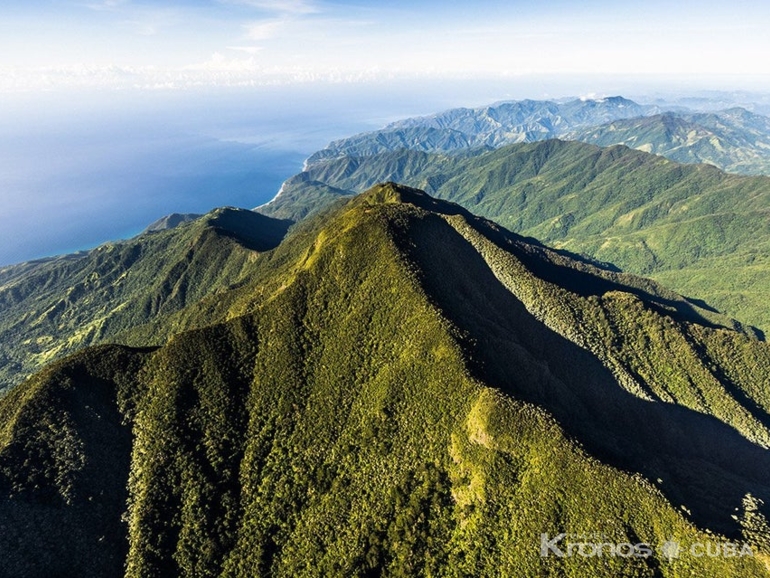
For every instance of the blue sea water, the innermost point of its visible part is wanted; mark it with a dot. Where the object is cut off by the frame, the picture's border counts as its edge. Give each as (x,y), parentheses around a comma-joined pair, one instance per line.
(79,170)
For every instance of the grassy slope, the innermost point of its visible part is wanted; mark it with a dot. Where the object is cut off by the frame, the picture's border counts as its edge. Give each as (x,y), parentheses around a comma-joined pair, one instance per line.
(51,308)
(698,229)
(417,399)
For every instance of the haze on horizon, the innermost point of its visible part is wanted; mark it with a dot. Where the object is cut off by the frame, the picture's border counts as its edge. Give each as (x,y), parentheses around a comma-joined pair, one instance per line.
(51,44)
(115,112)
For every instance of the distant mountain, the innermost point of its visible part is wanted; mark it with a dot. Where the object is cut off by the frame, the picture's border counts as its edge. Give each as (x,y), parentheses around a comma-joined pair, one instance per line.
(171,221)
(408,390)
(55,306)
(734,140)
(489,127)
(542,116)
(701,231)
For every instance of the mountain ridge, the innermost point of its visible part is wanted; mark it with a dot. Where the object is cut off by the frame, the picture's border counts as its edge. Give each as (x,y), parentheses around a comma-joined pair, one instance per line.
(734,139)
(407,406)
(485,127)
(56,306)
(682,224)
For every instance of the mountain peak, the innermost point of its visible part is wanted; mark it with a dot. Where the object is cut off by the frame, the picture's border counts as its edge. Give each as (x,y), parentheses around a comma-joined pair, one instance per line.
(171,221)
(391,192)
(423,370)
(602,99)
(394,193)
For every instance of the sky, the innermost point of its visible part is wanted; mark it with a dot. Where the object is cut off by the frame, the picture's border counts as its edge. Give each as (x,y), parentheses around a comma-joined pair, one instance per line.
(114,113)
(54,44)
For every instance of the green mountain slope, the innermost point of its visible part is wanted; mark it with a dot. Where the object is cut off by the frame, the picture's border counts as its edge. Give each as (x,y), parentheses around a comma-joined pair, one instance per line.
(704,232)
(51,307)
(734,140)
(410,391)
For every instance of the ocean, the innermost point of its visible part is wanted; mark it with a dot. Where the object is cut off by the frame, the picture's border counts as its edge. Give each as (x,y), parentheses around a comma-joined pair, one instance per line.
(79,170)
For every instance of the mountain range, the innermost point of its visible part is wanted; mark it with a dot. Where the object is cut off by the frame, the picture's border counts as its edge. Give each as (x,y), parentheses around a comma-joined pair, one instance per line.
(703,232)
(733,139)
(453,347)
(486,127)
(408,390)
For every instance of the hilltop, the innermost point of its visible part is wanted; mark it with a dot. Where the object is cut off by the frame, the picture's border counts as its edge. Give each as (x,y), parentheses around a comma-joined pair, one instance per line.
(702,232)
(52,307)
(407,389)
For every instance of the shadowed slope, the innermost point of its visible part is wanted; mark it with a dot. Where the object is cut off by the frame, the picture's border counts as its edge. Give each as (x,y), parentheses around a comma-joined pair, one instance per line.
(694,455)
(702,232)
(65,454)
(53,307)
(405,397)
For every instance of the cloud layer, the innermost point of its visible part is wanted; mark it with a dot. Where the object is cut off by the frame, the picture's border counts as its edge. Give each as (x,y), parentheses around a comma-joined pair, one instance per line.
(142,44)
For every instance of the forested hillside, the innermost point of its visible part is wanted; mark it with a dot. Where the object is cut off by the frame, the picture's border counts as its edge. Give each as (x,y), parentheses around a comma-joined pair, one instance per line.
(406,390)
(702,232)
(52,307)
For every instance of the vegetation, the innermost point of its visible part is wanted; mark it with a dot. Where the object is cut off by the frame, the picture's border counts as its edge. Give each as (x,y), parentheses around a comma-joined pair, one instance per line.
(701,231)
(53,307)
(695,229)
(735,140)
(401,389)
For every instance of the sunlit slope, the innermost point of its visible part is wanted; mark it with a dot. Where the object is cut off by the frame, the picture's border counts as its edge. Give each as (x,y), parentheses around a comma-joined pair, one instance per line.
(734,140)
(410,391)
(53,307)
(703,232)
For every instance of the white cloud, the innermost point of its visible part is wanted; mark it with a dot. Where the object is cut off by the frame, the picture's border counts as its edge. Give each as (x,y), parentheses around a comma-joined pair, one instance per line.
(265,29)
(270,41)
(281,6)
(106,4)
(219,63)
(247,49)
